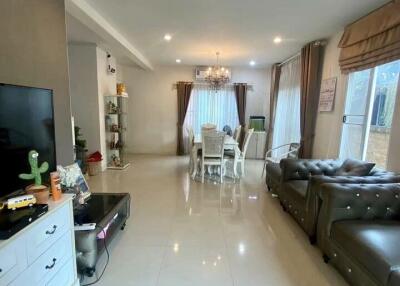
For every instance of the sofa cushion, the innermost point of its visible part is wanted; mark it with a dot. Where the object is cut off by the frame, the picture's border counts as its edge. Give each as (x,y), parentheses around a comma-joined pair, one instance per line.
(351,167)
(372,244)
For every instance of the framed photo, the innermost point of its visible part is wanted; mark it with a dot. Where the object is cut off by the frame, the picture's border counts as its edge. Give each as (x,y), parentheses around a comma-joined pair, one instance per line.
(73,181)
(327,94)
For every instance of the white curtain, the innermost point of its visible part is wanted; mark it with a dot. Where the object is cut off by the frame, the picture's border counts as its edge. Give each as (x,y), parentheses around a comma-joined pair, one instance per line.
(287,118)
(209,106)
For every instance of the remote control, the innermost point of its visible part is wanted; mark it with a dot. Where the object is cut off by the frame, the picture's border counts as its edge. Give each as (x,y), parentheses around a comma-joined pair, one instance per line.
(85,226)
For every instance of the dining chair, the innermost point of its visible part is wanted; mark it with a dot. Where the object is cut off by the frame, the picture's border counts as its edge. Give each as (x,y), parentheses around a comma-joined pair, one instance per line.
(208,127)
(191,148)
(293,152)
(212,151)
(236,134)
(238,155)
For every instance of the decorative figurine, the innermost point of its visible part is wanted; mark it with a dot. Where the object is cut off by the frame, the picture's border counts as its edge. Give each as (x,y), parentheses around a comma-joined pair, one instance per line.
(19,202)
(41,192)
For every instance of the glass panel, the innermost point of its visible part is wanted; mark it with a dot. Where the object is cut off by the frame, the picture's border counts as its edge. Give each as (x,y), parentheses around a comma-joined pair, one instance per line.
(355,112)
(384,97)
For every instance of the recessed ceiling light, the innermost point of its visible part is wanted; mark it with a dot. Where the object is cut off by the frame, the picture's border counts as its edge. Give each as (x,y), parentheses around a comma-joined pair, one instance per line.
(178,61)
(277,40)
(167,37)
(252,63)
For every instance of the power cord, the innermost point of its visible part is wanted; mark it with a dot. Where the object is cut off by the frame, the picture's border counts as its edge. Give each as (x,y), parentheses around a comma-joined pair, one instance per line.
(105,266)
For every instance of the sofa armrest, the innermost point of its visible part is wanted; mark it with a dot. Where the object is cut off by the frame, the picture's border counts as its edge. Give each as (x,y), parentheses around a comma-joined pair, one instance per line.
(355,202)
(303,169)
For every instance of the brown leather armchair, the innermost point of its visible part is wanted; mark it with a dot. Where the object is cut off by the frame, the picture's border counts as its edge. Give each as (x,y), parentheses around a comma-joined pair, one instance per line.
(359,231)
(301,181)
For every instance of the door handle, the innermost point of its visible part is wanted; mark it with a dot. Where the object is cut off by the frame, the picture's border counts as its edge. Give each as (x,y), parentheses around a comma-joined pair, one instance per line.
(344,119)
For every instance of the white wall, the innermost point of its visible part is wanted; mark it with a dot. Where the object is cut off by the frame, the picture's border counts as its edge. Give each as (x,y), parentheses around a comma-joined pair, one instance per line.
(152,108)
(33,52)
(83,88)
(90,82)
(107,85)
(329,124)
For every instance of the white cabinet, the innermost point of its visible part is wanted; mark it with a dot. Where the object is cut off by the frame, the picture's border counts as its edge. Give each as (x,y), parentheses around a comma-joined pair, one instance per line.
(256,148)
(43,253)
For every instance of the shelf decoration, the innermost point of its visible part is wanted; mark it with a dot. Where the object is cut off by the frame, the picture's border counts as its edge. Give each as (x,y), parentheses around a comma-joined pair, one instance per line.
(115,111)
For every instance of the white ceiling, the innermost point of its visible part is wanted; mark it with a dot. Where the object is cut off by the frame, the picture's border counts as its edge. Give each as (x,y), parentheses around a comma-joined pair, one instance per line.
(241,30)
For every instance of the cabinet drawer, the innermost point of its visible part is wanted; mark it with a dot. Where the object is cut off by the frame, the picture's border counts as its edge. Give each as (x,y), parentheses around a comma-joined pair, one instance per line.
(43,235)
(12,262)
(48,264)
(65,276)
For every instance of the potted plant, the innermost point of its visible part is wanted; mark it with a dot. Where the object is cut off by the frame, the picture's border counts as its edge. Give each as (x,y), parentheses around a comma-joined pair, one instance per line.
(41,192)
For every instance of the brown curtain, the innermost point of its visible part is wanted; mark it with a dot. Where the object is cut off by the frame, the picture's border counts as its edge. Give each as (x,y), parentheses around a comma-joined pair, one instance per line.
(371,40)
(241,93)
(184,90)
(273,96)
(309,95)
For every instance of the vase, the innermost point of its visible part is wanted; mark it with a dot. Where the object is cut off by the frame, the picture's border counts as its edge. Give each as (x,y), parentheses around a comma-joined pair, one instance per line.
(41,193)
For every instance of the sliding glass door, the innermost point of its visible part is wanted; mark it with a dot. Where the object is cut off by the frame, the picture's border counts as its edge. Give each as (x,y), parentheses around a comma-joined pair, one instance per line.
(369,108)
(355,116)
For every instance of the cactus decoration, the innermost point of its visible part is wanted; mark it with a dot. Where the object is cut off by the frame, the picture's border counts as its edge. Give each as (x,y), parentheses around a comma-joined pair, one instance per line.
(35,170)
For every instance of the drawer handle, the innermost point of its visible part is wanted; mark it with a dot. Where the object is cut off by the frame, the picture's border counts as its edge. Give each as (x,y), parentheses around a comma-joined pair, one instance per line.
(51,231)
(1,270)
(52,265)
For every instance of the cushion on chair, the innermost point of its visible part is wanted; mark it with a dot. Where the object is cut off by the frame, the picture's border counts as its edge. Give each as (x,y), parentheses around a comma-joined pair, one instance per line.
(229,153)
(373,244)
(351,167)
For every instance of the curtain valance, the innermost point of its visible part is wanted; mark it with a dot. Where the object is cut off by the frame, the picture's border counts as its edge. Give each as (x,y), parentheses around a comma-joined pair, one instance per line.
(371,40)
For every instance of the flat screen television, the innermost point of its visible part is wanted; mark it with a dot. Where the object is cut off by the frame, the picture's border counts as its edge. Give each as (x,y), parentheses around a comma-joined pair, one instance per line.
(26,123)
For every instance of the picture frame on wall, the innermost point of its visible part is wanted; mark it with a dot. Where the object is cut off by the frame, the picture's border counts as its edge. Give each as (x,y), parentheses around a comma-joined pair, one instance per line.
(327,94)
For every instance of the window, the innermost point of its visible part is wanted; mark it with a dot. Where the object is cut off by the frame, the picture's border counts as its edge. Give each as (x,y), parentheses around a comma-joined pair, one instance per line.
(209,106)
(371,96)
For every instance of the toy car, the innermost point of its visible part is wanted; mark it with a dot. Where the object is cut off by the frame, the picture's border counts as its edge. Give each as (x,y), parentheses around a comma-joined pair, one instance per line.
(19,202)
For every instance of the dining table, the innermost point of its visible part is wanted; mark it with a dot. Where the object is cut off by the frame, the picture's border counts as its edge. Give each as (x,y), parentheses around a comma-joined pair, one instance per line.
(229,144)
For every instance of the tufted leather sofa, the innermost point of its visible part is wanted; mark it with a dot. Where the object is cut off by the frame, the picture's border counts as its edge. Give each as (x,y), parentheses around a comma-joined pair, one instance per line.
(301,181)
(273,175)
(359,231)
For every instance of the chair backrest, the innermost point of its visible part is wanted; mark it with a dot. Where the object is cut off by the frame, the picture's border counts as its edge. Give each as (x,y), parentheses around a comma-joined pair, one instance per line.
(208,127)
(213,144)
(246,141)
(190,136)
(236,134)
(294,150)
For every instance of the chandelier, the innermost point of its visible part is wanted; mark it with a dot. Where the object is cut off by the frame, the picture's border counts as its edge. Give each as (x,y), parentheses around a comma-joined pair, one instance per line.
(216,75)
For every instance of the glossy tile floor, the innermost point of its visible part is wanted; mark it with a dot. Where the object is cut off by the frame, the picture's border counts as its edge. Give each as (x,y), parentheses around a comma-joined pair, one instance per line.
(182,232)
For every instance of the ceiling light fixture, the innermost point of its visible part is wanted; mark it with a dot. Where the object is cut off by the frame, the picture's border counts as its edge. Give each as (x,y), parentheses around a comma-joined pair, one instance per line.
(252,63)
(178,61)
(217,76)
(167,37)
(277,40)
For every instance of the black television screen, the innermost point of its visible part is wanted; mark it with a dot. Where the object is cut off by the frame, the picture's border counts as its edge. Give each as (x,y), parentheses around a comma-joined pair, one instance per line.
(26,123)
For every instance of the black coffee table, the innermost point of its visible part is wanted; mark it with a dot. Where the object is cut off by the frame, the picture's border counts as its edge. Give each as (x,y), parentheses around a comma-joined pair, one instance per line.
(109,211)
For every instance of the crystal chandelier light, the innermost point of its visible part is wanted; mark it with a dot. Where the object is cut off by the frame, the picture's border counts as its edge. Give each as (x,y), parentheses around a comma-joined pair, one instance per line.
(217,76)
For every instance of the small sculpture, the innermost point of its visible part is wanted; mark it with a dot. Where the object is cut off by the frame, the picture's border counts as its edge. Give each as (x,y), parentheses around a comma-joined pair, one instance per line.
(35,170)
(41,192)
